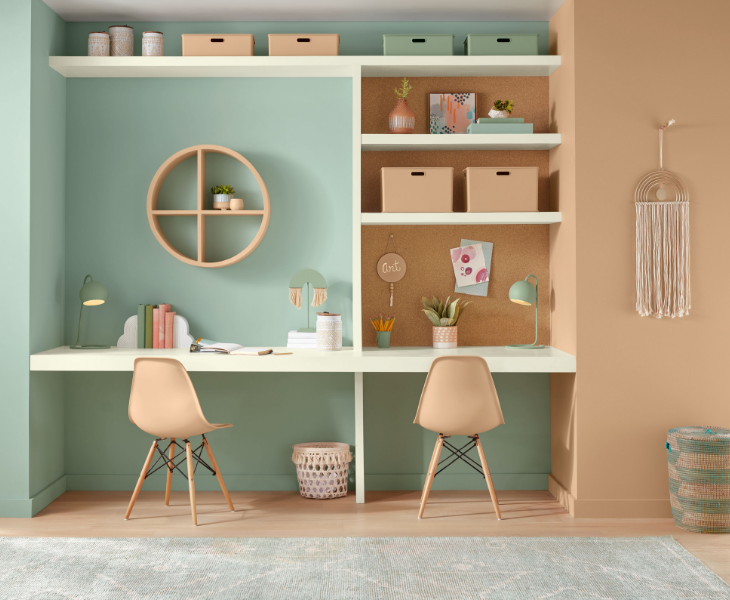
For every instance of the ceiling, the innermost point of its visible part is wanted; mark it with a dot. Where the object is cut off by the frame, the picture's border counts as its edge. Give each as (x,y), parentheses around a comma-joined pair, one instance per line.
(305,10)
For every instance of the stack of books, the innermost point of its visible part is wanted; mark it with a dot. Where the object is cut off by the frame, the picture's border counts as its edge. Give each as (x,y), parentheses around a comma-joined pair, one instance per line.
(155,326)
(302,339)
(500,125)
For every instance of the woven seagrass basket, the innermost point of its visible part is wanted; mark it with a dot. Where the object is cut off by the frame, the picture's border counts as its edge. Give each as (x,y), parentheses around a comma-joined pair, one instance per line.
(699,478)
(322,469)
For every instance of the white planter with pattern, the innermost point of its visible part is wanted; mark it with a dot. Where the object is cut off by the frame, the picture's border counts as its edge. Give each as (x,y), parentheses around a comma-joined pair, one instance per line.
(98,43)
(121,38)
(329,331)
(152,44)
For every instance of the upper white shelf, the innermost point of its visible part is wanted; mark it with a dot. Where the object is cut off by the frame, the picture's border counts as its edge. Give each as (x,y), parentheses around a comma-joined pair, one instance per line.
(497,218)
(387,142)
(304,66)
(370,360)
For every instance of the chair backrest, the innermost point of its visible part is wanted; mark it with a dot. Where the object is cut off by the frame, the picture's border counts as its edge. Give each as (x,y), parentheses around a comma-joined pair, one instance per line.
(459,397)
(163,401)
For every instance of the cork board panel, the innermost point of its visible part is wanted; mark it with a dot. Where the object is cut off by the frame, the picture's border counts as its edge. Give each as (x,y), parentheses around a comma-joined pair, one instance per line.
(492,321)
(529,94)
(372,162)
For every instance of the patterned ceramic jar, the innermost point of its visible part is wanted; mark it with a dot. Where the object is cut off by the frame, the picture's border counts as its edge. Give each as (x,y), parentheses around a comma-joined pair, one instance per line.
(329,331)
(121,39)
(152,43)
(445,337)
(98,43)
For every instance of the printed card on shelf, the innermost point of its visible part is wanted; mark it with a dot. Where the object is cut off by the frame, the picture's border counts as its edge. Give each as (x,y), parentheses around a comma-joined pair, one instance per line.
(470,268)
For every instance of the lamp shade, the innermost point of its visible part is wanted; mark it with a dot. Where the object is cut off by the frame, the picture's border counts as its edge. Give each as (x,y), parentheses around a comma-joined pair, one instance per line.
(93,293)
(523,292)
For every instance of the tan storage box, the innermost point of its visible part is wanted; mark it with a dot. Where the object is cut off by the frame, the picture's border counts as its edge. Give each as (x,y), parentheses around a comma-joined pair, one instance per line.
(213,44)
(501,189)
(417,189)
(304,44)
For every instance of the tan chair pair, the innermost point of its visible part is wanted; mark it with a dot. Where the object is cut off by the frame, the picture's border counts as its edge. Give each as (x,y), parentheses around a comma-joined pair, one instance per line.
(163,403)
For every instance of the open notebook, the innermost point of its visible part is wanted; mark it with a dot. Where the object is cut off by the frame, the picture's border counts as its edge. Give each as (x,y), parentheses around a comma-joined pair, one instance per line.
(202,345)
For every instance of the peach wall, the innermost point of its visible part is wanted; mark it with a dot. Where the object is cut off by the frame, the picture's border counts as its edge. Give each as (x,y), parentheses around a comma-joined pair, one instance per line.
(639,64)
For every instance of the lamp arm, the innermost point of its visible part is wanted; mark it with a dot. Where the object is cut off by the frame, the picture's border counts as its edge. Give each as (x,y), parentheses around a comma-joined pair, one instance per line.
(78,335)
(536,301)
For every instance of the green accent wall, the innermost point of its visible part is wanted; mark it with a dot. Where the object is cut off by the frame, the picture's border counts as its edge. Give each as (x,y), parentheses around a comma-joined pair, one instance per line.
(356,38)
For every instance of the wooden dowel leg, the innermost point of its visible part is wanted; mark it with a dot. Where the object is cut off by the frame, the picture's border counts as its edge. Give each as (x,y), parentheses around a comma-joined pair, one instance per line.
(488,477)
(170,465)
(430,468)
(141,479)
(218,474)
(431,475)
(191,482)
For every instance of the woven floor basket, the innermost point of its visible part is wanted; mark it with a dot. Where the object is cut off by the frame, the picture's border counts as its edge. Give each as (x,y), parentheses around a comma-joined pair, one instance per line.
(322,469)
(699,478)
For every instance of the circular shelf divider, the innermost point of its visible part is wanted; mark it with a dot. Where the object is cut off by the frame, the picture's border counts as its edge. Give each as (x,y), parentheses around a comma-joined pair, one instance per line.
(154,215)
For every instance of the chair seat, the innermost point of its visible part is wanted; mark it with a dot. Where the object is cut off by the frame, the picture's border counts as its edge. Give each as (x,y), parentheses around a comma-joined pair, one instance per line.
(183,433)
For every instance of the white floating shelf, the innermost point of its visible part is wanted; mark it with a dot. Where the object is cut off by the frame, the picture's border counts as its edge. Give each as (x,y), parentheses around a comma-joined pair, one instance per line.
(503,218)
(303,66)
(387,142)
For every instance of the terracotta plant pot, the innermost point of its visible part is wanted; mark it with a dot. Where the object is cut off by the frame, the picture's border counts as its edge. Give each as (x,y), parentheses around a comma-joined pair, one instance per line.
(402,119)
(444,337)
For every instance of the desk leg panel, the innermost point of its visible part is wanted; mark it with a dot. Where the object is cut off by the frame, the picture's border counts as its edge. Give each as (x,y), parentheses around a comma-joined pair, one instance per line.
(359,441)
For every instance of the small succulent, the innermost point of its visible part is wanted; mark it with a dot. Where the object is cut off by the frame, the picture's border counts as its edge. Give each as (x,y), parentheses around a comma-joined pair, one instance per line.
(403,91)
(504,105)
(226,190)
(443,314)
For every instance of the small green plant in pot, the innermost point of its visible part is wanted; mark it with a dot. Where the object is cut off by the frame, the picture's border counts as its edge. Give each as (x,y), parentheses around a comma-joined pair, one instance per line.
(444,317)
(501,109)
(222,195)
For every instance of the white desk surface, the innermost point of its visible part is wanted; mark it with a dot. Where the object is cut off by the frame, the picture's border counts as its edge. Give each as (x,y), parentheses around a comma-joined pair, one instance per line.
(370,360)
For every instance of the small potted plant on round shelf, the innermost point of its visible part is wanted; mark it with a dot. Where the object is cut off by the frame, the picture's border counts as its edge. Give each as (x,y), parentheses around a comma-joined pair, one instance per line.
(501,109)
(222,195)
(402,119)
(444,316)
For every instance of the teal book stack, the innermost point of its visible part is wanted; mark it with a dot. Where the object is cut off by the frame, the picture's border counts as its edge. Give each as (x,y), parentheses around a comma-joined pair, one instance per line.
(499,120)
(499,128)
(140,325)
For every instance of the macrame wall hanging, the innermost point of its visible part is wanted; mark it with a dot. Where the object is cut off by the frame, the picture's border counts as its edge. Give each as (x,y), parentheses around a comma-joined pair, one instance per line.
(310,278)
(391,266)
(662,242)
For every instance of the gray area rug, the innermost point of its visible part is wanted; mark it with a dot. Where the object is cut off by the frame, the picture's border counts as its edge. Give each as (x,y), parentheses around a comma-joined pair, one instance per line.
(334,568)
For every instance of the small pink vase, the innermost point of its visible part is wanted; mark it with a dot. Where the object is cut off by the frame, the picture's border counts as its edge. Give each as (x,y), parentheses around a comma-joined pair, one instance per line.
(402,119)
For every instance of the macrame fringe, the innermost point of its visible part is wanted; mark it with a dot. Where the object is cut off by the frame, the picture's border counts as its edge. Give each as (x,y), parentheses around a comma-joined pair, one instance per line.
(662,259)
(320,295)
(295,296)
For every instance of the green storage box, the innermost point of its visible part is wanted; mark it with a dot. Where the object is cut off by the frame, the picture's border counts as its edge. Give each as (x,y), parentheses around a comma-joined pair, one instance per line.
(418,45)
(501,45)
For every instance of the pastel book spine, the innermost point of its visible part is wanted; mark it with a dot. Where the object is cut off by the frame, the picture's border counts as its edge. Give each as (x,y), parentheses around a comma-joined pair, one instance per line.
(140,325)
(155,327)
(169,321)
(148,326)
(164,308)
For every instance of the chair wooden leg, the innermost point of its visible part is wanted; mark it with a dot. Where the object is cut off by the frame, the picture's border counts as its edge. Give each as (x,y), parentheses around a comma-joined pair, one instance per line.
(488,477)
(218,473)
(141,479)
(191,482)
(431,475)
(430,467)
(169,472)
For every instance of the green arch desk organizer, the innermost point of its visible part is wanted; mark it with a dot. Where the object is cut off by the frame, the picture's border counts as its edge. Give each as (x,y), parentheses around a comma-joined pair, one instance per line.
(310,278)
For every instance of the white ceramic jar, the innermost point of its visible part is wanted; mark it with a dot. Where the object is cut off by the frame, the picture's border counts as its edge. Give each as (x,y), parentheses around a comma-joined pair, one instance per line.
(121,38)
(98,43)
(329,331)
(152,43)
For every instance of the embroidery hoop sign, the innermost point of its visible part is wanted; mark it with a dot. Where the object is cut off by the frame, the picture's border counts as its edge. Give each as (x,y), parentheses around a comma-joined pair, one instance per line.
(391,267)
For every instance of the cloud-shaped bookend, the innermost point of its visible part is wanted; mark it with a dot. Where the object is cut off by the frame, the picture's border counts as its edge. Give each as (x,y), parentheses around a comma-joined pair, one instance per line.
(181,333)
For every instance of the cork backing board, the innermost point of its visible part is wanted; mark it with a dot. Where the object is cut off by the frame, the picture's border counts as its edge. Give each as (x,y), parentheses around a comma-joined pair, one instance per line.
(492,321)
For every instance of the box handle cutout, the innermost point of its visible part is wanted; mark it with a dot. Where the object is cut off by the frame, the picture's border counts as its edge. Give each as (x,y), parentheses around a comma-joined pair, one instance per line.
(217,40)
(417,174)
(419,40)
(502,172)
(303,39)
(503,40)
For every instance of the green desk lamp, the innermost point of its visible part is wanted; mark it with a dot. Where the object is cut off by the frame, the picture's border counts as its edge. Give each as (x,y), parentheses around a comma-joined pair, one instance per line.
(92,293)
(523,292)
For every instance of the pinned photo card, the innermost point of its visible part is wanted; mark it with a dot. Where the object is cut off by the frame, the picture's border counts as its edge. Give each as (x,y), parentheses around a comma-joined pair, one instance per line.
(470,267)
(480,285)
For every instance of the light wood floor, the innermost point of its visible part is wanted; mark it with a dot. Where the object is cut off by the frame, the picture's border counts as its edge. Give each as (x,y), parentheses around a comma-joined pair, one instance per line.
(285,514)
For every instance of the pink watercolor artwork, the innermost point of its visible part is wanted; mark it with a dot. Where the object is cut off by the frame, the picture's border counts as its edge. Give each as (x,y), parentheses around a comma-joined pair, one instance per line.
(470,267)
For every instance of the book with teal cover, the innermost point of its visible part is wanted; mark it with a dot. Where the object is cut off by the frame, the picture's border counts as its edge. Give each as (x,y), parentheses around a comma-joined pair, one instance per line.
(499,128)
(141,309)
(148,326)
(501,120)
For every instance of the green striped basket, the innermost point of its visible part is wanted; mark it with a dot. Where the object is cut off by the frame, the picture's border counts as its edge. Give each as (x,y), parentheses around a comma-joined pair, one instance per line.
(699,478)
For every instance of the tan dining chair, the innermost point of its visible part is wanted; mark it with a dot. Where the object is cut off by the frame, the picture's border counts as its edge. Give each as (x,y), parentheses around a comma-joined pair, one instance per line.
(164,404)
(459,398)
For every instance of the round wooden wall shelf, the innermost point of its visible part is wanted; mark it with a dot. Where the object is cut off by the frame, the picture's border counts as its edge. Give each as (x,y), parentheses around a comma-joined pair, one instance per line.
(154,215)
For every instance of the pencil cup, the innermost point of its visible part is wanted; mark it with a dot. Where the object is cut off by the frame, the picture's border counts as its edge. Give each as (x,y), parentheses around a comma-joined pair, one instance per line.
(383,339)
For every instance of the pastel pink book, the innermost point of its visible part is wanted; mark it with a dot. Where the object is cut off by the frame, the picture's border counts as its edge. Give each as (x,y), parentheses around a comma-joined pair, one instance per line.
(164,309)
(155,327)
(169,321)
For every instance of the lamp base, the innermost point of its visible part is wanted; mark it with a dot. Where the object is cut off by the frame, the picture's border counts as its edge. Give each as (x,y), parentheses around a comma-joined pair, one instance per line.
(526,346)
(89,347)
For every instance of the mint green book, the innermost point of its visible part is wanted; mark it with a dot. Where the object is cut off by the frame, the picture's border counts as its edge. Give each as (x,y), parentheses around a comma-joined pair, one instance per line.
(501,120)
(148,326)
(141,308)
(499,128)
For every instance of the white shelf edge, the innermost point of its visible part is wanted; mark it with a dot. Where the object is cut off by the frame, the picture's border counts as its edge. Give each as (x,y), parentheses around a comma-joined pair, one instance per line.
(386,142)
(504,218)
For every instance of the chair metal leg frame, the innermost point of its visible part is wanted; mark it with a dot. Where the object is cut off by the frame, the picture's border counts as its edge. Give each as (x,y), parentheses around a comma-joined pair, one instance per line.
(455,455)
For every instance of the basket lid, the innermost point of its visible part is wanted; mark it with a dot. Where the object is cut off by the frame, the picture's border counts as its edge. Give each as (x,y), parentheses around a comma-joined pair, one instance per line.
(700,433)
(321,447)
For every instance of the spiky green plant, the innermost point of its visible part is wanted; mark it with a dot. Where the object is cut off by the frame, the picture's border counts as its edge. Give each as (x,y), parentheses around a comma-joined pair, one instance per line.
(404,89)
(226,190)
(504,105)
(443,314)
